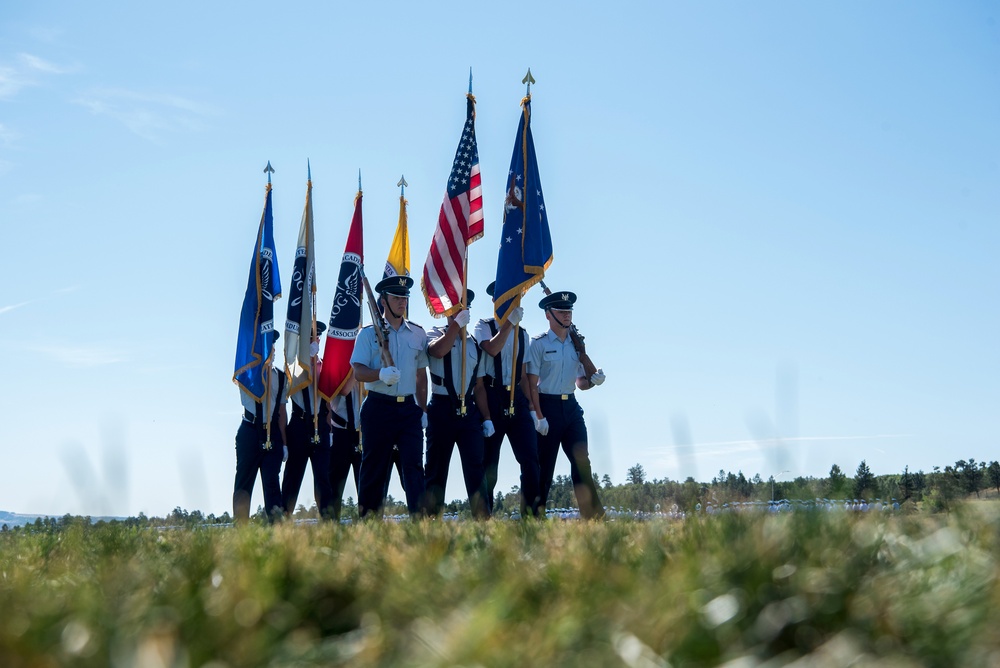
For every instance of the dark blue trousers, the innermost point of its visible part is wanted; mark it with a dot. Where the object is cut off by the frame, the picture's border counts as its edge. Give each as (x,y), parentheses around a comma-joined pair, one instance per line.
(520,431)
(301,449)
(251,457)
(445,430)
(344,456)
(384,423)
(567,429)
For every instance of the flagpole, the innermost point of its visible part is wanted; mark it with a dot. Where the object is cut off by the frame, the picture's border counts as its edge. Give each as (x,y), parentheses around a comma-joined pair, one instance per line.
(465,290)
(314,381)
(528,79)
(363,393)
(267,367)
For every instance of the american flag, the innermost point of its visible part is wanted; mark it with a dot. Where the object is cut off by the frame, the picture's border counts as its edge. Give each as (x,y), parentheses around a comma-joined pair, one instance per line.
(460,222)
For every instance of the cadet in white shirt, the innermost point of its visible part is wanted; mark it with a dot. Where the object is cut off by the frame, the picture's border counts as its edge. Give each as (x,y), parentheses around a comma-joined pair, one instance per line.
(498,344)
(345,452)
(252,454)
(302,448)
(555,370)
(448,424)
(394,411)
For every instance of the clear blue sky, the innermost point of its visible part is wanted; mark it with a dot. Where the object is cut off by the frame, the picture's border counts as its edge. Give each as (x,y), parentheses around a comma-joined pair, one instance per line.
(780,219)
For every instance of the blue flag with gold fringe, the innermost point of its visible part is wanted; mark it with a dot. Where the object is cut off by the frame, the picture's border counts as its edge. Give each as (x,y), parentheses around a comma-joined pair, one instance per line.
(525,243)
(254,344)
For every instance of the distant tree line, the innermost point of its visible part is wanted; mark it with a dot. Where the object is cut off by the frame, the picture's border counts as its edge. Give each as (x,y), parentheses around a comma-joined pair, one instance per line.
(936,491)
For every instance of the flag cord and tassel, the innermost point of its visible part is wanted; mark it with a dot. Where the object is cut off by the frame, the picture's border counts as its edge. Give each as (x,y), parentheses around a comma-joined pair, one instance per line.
(513,364)
(313,377)
(267,402)
(362,391)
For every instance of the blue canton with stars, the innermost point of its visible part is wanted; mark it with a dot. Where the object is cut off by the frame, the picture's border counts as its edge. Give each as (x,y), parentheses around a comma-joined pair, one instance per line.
(466,157)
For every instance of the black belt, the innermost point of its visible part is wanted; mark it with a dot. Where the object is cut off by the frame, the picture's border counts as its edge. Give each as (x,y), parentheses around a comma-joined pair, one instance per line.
(490,381)
(561,397)
(299,413)
(454,403)
(390,399)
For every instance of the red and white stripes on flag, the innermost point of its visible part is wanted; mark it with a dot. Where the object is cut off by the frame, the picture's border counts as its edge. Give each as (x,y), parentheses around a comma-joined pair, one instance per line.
(460,222)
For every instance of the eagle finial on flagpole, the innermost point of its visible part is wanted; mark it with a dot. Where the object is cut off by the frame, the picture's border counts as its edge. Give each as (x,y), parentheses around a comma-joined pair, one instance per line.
(269,170)
(402,184)
(528,79)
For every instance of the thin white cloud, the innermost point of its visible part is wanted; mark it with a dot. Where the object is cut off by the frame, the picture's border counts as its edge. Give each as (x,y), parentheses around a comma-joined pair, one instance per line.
(151,116)
(14,78)
(40,65)
(11,307)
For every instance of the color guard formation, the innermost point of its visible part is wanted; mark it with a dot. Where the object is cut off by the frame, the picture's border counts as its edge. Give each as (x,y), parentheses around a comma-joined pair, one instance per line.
(363,404)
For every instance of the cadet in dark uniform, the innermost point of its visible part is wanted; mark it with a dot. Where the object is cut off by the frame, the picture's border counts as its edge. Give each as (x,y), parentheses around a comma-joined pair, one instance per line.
(555,370)
(346,451)
(394,411)
(302,448)
(447,424)
(519,428)
(251,441)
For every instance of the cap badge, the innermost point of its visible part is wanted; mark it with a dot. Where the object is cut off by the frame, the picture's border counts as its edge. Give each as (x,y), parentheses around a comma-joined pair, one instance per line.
(402,281)
(565,296)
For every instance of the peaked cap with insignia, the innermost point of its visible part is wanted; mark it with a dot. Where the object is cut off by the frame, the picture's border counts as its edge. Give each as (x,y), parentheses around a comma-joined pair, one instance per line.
(395,285)
(561,301)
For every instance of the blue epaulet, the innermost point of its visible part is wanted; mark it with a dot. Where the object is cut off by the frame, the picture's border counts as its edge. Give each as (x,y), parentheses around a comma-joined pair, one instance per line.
(538,336)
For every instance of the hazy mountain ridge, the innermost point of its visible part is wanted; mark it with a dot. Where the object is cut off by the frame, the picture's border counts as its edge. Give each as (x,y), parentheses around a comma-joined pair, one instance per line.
(22,519)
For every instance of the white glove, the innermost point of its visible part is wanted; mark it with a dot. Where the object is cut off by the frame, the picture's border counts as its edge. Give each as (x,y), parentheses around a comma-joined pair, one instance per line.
(389,375)
(284,454)
(534,418)
(598,377)
(488,429)
(423,420)
(462,318)
(542,426)
(314,349)
(515,315)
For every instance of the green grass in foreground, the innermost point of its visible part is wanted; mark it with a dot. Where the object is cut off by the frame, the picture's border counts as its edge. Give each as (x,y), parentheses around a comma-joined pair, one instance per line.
(821,589)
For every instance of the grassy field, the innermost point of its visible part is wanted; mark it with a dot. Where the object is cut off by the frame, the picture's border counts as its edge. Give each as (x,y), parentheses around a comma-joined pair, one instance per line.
(806,588)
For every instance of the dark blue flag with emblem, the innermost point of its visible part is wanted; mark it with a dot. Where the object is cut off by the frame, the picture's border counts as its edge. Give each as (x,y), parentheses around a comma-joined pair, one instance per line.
(256,335)
(525,243)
